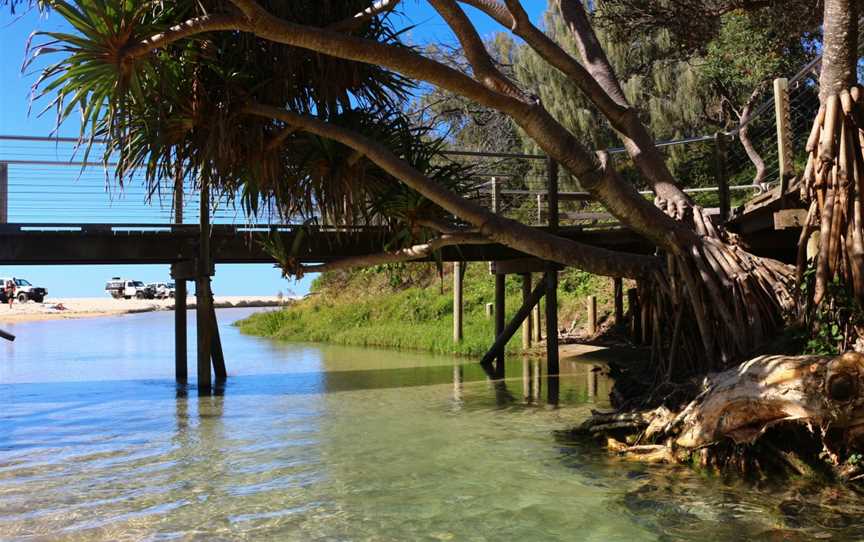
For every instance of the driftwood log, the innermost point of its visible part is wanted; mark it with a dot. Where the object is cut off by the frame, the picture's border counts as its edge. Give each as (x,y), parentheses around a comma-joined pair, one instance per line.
(817,399)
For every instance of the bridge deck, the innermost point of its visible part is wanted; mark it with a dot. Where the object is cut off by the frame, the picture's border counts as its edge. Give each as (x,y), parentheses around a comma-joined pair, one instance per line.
(64,244)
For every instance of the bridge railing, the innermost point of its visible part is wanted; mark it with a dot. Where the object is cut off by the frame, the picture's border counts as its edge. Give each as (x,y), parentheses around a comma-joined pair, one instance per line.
(46,180)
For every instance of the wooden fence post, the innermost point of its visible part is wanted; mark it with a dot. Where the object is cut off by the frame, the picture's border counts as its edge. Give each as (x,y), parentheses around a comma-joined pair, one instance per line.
(618,289)
(721,174)
(592,315)
(784,133)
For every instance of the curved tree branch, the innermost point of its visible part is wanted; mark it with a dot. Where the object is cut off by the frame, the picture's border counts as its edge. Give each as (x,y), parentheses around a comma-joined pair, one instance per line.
(188,28)
(494,227)
(484,69)
(600,86)
(619,197)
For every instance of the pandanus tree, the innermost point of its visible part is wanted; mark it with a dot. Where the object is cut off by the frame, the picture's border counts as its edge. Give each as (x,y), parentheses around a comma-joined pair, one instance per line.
(241,110)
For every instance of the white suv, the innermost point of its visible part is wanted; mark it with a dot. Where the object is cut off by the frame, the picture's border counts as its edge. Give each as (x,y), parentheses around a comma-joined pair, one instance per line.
(127,289)
(24,291)
(162,290)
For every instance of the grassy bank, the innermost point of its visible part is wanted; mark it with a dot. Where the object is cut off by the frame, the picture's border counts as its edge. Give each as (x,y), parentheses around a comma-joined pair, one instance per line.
(411,307)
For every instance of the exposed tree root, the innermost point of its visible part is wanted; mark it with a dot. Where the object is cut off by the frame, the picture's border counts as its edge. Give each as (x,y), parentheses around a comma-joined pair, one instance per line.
(800,414)
(713,305)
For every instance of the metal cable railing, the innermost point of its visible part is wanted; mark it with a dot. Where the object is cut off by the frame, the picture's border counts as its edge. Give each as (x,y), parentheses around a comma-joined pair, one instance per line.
(49,181)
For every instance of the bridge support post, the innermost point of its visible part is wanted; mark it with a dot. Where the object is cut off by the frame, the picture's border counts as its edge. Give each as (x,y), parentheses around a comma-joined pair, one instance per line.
(592,314)
(209,344)
(500,296)
(507,333)
(618,294)
(526,325)
(551,279)
(537,328)
(457,302)
(216,354)
(202,329)
(181,371)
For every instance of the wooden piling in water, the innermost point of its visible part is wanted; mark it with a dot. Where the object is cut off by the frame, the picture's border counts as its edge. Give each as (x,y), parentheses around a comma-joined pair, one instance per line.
(216,355)
(499,312)
(181,369)
(203,299)
(552,282)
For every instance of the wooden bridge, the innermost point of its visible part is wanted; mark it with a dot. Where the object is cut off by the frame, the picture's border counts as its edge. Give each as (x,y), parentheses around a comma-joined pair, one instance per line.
(769,225)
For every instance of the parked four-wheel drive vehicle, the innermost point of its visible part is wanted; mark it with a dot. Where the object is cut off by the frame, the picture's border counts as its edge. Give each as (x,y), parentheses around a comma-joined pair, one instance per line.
(24,291)
(127,289)
(162,290)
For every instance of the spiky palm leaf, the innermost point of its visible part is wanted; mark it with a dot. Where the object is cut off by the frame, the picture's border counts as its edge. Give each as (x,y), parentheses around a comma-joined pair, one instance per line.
(181,105)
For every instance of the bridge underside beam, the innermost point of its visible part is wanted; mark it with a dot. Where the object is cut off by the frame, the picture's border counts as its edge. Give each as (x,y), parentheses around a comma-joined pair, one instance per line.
(46,247)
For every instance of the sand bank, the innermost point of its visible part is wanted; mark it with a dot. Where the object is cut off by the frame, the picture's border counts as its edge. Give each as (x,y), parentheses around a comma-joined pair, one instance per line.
(89,307)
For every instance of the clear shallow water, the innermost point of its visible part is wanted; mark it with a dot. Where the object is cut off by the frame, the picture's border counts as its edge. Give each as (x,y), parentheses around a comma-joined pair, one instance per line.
(326,443)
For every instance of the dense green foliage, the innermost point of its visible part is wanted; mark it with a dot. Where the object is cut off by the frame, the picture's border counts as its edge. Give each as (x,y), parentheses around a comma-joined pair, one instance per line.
(411,307)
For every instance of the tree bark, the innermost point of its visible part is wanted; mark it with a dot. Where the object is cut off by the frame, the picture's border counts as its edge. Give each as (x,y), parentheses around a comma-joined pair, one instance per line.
(744,137)
(840,48)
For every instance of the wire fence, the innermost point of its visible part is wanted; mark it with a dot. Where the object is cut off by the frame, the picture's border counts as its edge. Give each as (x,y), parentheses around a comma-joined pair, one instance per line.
(48,182)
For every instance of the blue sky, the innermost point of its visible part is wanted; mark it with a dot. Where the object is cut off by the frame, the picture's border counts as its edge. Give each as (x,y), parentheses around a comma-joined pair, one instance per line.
(84,193)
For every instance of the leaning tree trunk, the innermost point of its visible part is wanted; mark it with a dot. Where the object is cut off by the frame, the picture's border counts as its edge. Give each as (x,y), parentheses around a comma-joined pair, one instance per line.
(714,302)
(813,406)
(833,180)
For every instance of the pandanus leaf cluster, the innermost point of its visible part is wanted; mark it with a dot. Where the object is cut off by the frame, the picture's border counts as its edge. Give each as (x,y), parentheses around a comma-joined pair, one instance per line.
(177,111)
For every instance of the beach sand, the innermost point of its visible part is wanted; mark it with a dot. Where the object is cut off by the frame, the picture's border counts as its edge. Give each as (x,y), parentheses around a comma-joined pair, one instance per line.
(89,307)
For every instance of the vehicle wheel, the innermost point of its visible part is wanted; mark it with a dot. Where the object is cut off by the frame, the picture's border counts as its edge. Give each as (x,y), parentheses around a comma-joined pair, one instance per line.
(171,295)
(38,299)
(140,295)
(22,298)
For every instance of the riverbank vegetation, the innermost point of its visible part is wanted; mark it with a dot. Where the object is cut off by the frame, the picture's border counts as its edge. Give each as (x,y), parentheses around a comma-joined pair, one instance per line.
(410,306)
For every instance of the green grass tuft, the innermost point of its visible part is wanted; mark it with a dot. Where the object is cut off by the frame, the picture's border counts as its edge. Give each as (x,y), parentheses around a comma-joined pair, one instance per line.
(411,307)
